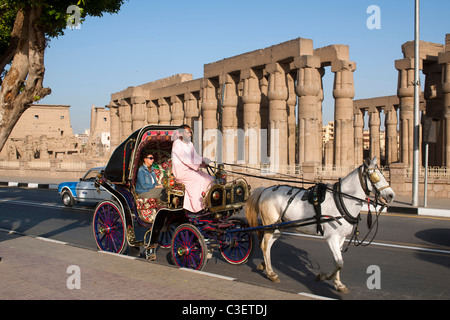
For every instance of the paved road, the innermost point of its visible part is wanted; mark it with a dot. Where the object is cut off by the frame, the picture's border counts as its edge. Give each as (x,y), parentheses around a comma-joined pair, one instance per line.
(411,254)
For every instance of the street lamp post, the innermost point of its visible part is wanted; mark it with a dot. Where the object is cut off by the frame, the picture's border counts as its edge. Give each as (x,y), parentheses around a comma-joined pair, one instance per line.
(415,186)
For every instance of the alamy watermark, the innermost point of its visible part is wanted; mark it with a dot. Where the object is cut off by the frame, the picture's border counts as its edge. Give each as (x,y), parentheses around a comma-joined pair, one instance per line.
(253,147)
(374,20)
(74,20)
(74,280)
(374,280)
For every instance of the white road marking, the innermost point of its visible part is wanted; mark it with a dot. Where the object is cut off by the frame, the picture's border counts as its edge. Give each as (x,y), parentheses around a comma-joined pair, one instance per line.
(381,244)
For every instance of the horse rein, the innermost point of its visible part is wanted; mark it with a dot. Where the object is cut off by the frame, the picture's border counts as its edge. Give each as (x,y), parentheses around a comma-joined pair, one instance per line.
(364,174)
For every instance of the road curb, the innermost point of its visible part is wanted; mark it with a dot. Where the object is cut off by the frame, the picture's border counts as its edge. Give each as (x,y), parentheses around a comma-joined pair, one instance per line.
(30,185)
(422,211)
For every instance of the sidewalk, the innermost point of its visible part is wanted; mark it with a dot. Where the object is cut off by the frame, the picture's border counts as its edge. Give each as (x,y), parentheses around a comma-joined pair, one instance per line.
(435,206)
(42,269)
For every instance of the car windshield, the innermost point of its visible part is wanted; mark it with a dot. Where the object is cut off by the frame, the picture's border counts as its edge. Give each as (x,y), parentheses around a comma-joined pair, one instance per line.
(91,175)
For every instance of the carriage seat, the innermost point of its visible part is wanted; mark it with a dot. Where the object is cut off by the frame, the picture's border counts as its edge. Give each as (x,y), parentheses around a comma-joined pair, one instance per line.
(147,208)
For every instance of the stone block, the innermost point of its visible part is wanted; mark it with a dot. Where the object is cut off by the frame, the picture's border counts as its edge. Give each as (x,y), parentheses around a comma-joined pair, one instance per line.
(308,61)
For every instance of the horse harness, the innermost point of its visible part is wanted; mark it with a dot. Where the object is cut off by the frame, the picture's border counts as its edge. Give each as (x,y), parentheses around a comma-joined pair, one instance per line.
(316,195)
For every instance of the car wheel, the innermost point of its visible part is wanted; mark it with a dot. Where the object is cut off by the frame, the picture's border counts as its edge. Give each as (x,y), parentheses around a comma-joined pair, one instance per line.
(67,198)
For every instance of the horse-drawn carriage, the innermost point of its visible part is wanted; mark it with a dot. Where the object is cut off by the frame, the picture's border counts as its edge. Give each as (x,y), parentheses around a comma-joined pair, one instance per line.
(331,210)
(191,237)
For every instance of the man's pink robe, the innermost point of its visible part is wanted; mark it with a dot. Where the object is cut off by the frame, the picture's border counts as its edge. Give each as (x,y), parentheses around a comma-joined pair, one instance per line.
(185,167)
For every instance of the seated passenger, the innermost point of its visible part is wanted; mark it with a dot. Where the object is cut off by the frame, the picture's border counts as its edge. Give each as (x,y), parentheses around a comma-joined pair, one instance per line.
(185,167)
(147,185)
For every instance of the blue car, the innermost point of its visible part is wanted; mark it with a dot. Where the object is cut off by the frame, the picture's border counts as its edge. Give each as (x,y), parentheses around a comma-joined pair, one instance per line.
(83,190)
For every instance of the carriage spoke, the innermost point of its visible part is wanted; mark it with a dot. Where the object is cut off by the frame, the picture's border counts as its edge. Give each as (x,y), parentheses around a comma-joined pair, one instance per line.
(237,246)
(109,229)
(188,247)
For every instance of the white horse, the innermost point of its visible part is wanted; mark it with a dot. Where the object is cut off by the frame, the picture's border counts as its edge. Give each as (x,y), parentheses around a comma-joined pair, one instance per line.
(284,203)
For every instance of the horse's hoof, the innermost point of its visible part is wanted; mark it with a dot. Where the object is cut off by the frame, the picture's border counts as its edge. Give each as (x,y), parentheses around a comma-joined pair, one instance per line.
(261,266)
(342,289)
(274,278)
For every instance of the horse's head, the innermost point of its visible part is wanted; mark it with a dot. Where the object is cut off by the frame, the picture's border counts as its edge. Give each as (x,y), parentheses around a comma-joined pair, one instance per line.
(373,180)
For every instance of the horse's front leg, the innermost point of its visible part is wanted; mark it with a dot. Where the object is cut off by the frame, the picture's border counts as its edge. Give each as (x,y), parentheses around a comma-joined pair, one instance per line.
(266,244)
(335,243)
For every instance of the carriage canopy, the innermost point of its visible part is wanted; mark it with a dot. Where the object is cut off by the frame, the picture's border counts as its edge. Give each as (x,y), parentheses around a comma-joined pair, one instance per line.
(124,160)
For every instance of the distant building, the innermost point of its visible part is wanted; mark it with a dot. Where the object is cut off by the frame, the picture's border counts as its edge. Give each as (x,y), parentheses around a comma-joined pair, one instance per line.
(45,132)
(99,143)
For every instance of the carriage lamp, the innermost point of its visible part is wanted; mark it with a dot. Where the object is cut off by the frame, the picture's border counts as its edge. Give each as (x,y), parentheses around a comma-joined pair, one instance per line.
(216,195)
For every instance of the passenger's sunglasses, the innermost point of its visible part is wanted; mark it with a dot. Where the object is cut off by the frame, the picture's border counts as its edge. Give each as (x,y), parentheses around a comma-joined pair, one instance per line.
(151,158)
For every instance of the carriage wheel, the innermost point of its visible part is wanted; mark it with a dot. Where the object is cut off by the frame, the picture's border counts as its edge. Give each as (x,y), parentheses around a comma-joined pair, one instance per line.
(237,247)
(165,237)
(188,247)
(109,228)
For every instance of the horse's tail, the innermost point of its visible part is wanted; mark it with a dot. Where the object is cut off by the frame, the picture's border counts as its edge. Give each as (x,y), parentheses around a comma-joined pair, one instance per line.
(252,210)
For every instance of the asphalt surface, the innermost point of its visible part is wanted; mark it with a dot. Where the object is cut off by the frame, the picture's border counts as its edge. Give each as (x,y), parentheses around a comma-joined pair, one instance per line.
(43,269)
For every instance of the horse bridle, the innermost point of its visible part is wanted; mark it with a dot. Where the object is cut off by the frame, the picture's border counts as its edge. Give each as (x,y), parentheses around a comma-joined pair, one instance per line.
(371,174)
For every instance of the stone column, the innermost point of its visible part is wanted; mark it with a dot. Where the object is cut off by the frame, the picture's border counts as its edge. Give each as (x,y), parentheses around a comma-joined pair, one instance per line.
(309,89)
(125,117)
(391,122)
(374,133)
(152,113)
(165,116)
(343,93)
(291,103)
(138,115)
(191,109)
(43,147)
(209,118)
(115,125)
(251,98)
(444,59)
(405,93)
(229,117)
(277,94)
(176,110)
(358,125)
(28,154)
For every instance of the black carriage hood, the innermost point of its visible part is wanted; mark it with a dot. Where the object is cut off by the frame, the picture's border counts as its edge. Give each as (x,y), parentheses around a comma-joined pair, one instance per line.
(117,169)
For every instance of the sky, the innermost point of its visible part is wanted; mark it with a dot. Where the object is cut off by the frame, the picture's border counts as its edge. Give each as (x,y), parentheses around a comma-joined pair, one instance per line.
(149,40)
